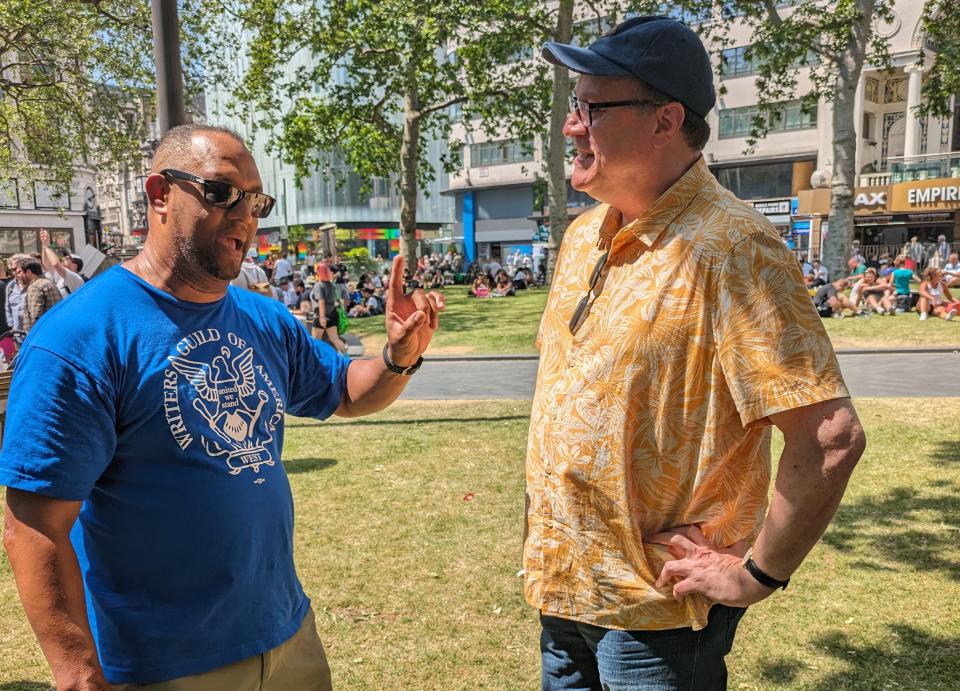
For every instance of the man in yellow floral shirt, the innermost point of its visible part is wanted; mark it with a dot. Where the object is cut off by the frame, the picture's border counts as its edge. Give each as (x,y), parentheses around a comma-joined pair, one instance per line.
(677,331)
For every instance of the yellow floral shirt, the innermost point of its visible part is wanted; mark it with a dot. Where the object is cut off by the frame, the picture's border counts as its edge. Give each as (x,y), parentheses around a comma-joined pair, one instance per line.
(655,414)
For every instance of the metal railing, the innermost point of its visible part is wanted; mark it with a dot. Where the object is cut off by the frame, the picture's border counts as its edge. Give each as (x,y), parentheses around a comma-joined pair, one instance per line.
(870,251)
(924,167)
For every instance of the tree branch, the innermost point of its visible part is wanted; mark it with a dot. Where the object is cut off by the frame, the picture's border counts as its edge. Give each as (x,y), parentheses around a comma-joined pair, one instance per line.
(102,12)
(441,106)
(772,15)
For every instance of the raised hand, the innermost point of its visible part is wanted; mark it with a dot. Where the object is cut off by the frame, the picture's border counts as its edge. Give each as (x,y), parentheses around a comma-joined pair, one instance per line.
(411,319)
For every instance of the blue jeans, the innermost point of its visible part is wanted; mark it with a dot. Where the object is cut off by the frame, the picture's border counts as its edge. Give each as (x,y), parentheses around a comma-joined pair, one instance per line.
(585,657)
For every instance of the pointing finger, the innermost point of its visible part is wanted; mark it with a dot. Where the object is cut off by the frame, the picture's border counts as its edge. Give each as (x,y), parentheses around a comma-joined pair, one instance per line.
(395,287)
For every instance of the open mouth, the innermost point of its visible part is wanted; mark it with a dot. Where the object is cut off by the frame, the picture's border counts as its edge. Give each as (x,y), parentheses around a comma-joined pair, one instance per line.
(233,244)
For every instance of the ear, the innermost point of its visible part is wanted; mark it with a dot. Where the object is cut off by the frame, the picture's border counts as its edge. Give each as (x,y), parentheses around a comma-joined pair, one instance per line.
(669,121)
(158,190)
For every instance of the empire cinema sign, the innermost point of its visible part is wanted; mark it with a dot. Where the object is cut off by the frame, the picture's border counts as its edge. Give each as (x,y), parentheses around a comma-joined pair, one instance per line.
(925,194)
(949,193)
(941,194)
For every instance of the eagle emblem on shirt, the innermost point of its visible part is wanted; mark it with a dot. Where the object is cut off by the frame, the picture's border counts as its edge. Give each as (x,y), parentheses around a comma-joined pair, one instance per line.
(228,399)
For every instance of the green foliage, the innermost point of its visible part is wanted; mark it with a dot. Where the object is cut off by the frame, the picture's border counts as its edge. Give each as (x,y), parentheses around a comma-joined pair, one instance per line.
(77,82)
(296,234)
(941,24)
(69,73)
(358,262)
(407,62)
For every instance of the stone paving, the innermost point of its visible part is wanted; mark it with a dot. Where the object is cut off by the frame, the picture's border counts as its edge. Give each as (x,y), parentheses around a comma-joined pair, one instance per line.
(900,375)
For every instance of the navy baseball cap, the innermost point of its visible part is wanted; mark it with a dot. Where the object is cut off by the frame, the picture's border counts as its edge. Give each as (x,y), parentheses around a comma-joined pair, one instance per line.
(663,52)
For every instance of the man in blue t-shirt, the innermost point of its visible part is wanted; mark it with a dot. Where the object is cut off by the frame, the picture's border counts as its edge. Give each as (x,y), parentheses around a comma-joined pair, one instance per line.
(149,519)
(901,277)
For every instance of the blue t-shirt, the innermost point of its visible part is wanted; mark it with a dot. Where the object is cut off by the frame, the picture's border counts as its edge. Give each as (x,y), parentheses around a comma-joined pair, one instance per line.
(901,281)
(166,418)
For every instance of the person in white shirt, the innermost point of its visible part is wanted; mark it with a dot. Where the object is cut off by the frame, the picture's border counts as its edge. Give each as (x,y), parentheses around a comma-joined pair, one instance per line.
(282,270)
(250,275)
(820,271)
(290,297)
(65,273)
(951,270)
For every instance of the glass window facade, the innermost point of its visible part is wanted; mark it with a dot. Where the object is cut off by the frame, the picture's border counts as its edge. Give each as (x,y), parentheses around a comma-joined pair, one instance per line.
(9,194)
(788,116)
(758,181)
(737,62)
(501,152)
(46,196)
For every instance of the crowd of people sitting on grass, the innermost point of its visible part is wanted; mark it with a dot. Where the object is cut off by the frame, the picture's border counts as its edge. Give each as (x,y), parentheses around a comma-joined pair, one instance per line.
(884,287)
(321,290)
(493,280)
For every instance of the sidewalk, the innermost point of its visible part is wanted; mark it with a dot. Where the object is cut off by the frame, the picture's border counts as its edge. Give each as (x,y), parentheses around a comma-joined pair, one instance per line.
(511,357)
(917,374)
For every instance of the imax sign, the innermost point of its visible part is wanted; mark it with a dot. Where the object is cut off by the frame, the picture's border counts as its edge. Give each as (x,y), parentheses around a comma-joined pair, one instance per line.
(870,199)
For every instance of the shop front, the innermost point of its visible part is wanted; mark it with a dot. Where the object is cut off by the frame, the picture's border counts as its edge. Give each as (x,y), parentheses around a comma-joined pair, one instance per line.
(887,217)
(779,212)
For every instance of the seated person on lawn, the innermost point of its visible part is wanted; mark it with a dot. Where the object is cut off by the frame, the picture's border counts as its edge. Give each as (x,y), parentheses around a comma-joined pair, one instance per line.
(830,302)
(935,296)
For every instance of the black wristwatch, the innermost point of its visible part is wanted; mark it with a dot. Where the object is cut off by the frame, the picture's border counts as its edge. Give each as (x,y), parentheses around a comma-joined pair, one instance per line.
(397,369)
(760,575)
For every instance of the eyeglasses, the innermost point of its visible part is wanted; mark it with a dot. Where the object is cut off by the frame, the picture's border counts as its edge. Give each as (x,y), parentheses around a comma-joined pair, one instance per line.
(597,279)
(224,195)
(585,109)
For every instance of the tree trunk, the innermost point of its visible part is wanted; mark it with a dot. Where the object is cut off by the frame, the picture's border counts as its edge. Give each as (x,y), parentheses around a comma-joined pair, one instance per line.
(836,249)
(557,144)
(409,160)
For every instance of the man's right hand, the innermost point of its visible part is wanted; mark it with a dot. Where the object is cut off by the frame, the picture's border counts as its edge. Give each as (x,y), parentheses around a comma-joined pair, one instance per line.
(37,539)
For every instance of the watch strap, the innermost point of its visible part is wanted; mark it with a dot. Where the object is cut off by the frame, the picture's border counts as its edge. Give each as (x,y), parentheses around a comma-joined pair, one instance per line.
(397,369)
(762,576)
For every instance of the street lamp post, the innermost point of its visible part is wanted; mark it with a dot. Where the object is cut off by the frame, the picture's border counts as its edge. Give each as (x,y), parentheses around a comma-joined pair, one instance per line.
(166,55)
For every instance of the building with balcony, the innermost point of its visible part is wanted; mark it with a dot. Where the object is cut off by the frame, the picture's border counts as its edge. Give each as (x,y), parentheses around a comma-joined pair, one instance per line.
(495,192)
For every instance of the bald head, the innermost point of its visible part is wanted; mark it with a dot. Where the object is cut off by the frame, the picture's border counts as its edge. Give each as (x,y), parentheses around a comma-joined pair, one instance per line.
(185,146)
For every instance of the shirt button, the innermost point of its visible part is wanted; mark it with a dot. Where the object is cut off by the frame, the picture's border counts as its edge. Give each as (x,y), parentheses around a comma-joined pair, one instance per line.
(548,523)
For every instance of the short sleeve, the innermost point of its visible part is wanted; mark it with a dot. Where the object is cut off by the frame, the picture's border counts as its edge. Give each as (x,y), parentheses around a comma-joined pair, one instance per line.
(318,374)
(60,432)
(773,349)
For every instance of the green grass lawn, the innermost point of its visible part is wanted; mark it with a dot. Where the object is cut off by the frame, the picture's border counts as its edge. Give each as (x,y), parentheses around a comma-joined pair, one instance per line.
(416,587)
(509,325)
(471,326)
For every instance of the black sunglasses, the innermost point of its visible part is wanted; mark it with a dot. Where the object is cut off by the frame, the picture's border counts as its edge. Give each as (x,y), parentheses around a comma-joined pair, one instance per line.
(224,195)
(597,279)
(585,109)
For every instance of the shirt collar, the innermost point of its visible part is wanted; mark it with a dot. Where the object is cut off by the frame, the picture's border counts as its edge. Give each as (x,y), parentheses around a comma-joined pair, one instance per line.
(641,234)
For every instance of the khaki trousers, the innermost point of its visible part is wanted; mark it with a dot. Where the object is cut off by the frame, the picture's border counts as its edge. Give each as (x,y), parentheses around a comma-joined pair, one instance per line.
(298,663)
